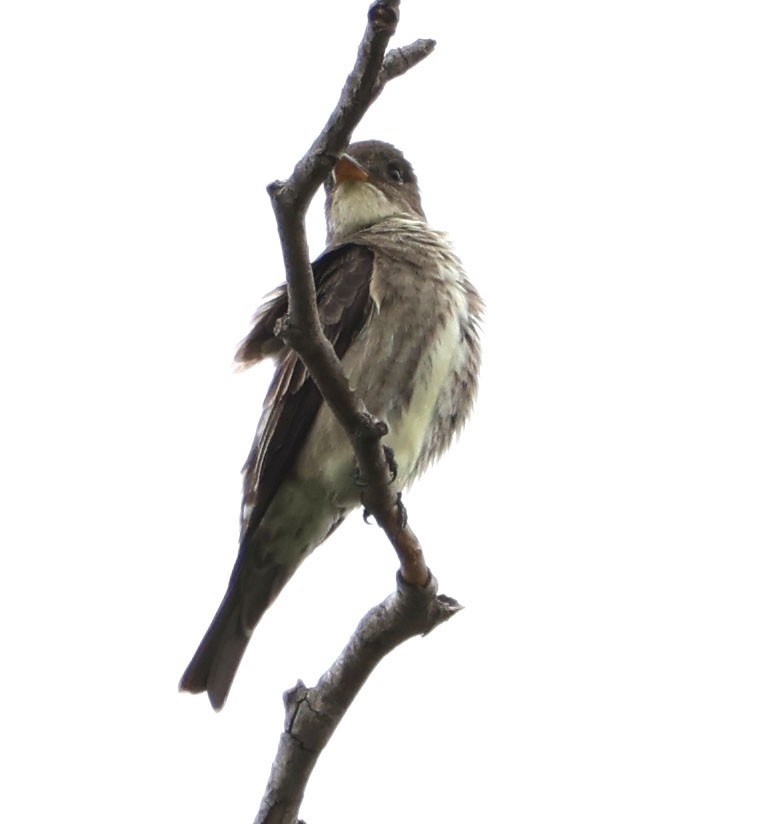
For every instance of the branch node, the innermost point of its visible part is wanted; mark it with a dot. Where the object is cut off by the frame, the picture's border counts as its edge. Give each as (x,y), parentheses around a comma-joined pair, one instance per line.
(293,696)
(380,428)
(275,188)
(282,328)
(411,592)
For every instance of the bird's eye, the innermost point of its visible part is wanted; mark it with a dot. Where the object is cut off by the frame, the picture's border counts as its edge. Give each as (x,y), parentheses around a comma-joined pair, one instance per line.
(395,173)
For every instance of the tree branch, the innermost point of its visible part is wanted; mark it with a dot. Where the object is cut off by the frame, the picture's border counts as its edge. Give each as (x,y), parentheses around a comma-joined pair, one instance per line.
(300,328)
(312,714)
(415,608)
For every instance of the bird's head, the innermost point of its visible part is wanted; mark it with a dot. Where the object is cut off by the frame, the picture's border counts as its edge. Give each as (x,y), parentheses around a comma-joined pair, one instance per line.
(370,182)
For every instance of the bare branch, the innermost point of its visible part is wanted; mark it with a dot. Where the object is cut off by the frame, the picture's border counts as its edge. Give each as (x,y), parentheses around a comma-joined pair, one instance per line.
(398,61)
(415,608)
(312,714)
(301,327)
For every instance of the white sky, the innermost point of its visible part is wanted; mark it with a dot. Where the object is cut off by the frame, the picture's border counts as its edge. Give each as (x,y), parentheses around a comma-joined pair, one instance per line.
(598,167)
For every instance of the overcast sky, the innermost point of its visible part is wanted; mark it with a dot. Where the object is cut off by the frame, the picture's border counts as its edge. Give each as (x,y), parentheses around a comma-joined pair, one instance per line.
(598,168)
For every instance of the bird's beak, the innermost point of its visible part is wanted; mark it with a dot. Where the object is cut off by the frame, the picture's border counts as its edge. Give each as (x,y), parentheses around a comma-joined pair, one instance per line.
(348,169)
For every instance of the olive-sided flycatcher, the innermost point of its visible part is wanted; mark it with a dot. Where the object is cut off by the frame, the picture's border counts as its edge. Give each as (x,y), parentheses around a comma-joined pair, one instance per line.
(403,318)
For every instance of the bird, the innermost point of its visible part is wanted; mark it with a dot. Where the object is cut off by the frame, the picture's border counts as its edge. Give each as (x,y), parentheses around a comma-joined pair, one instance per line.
(404,319)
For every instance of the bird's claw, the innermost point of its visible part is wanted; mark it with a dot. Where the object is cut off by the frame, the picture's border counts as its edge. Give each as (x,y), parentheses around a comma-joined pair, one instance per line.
(391,462)
(393,468)
(401,512)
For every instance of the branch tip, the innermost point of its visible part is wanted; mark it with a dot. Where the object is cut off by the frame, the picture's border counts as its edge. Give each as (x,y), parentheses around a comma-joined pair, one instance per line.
(450,603)
(384,15)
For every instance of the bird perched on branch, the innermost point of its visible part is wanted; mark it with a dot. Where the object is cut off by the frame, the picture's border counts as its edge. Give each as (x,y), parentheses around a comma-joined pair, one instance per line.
(403,318)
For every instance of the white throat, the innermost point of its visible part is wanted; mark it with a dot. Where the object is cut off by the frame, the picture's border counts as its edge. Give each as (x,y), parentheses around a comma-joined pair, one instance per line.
(356,205)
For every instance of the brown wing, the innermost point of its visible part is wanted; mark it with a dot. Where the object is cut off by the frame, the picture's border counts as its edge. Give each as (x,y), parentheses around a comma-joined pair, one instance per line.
(342,282)
(260,343)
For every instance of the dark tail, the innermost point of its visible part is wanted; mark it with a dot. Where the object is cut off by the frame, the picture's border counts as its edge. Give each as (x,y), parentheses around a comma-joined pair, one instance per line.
(216,661)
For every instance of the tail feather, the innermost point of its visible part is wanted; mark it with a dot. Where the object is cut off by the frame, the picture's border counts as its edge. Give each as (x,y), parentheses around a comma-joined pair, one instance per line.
(215,663)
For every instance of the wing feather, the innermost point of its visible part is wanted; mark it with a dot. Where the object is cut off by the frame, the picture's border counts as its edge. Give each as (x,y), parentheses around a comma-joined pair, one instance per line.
(342,281)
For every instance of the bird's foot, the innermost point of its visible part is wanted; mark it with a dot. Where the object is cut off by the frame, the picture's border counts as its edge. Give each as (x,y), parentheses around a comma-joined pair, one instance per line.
(401,512)
(357,477)
(391,462)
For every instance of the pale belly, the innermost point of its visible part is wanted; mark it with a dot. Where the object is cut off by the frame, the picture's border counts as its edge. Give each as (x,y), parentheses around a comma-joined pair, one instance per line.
(328,457)
(410,430)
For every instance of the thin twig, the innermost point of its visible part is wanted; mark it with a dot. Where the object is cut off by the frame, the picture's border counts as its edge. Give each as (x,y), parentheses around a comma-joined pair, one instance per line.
(300,328)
